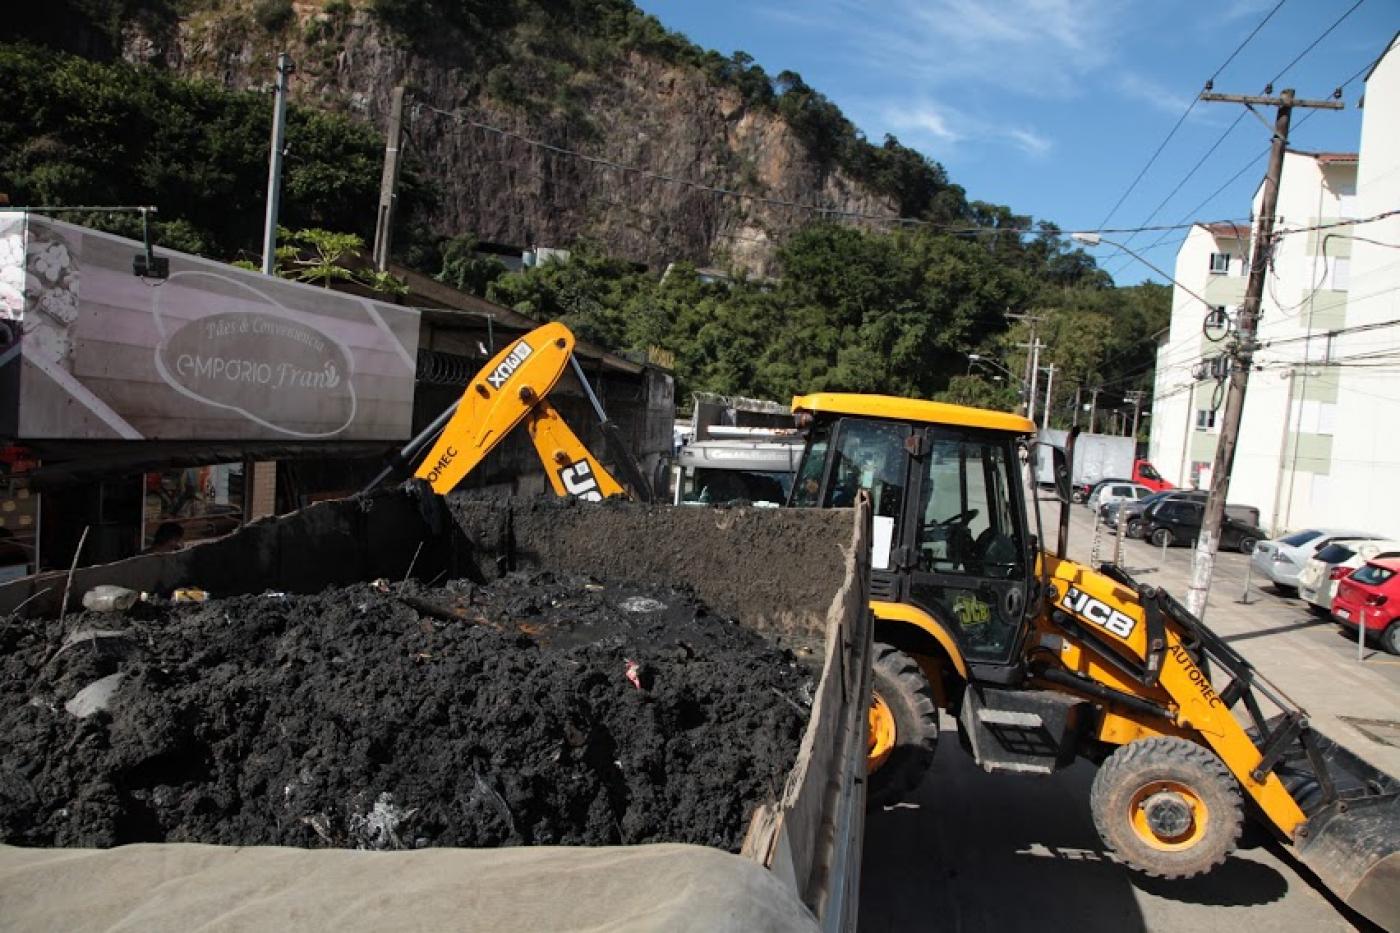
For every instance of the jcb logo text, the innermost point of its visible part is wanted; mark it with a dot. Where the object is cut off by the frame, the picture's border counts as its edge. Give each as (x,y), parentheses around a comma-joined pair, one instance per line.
(1100,614)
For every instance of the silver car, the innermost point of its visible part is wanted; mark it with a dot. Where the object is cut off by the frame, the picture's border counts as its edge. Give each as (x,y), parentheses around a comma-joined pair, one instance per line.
(1107,494)
(1282,559)
(1317,583)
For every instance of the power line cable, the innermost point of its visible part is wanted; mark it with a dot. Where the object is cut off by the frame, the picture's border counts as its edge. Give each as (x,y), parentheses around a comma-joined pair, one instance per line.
(1312,45)
(1182,119)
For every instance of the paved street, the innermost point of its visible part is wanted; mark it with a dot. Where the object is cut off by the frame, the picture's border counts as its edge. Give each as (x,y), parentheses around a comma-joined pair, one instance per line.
(974,851)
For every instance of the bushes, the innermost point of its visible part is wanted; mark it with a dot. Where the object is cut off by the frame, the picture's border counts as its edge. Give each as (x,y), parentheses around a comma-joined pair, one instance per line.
(273,15)
(79,132)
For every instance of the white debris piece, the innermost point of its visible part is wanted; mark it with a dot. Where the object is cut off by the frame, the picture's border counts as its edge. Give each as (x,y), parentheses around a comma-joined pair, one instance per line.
(95,697)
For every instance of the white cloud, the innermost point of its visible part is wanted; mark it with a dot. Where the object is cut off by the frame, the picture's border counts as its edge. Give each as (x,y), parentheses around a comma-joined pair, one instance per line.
(938,129)
(1035,47)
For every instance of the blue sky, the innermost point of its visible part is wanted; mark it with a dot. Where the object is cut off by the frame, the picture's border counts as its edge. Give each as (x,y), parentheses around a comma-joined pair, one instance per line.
(1053,106)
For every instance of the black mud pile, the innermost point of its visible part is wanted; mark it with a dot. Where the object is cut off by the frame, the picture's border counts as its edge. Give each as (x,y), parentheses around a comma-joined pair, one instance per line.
(533,710)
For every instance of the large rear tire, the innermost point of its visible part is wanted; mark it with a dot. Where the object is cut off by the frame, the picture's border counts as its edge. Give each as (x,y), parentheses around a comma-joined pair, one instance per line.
(903,727)
(1167,807)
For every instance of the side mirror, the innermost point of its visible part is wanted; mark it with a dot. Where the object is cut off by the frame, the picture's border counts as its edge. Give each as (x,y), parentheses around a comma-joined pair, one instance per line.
(1061,474)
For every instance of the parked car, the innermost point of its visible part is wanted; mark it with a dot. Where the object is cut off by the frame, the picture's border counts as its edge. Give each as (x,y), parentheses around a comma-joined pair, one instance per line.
(1370,597)
(1317,583)
(1108,493)
(1178,521)
(1109,514)
(1083,492)
(1281,560)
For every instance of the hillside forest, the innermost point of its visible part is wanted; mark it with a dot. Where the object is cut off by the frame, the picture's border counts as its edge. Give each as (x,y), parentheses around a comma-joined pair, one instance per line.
(854,306)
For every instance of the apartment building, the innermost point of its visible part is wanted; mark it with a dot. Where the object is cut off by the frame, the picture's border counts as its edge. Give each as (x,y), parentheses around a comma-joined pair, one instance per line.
(1314,446)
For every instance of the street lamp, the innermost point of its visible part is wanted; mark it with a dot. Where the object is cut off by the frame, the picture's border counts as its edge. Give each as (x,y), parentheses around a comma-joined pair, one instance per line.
(1094,239)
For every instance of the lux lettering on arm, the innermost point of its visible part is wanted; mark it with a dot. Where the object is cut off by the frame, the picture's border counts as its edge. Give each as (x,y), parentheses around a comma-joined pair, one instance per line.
(447,457)
(579,481)
(1101,614)
(509,365)
(1181,656)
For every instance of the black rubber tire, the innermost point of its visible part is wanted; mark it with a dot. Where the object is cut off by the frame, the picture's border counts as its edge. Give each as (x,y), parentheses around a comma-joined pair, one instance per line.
(1248,544)
(1144,761)
(904,688)
(1135,529)
(1163,536)
(1390,638)
(1077,496)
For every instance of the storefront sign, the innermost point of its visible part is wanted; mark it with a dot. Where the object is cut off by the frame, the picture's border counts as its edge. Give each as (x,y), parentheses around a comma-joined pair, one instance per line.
(211,352)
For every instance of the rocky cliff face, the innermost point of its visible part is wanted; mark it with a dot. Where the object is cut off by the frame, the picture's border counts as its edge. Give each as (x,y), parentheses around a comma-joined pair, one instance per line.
(639,112)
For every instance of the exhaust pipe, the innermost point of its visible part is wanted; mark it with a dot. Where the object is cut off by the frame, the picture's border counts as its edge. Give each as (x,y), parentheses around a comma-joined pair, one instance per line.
(1064,473)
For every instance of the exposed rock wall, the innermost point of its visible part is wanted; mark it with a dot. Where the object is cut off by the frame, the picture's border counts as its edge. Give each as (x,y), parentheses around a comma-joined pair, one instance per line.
(639,112)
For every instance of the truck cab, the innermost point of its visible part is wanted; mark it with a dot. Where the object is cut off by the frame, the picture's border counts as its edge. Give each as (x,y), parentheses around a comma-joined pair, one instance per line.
(737,450)
(1146,474)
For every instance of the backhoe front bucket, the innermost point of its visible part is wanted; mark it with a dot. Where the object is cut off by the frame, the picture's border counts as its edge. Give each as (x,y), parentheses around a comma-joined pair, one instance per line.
(1351,842)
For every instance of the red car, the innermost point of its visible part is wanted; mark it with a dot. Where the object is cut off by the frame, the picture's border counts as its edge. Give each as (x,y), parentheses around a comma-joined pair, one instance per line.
(1371,597)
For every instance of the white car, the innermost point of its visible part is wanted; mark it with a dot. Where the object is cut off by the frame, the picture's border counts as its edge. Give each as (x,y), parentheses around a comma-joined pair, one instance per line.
(1317,583)
(1108,493)
(1282,559)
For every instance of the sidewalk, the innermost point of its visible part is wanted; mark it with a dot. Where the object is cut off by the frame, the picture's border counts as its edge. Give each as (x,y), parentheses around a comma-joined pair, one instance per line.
(1303,654)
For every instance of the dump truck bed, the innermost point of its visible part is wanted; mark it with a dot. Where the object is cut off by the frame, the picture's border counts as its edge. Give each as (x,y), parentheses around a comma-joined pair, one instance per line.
(793,575)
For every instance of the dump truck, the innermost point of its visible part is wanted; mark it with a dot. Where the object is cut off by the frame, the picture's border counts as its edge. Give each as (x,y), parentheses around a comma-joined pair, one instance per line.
(797,868)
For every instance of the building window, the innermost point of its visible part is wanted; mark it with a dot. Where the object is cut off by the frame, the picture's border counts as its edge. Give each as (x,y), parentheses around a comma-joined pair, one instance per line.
(1200,474)
(1220,263)
(1340,274)
(1218,320)
(1205,419)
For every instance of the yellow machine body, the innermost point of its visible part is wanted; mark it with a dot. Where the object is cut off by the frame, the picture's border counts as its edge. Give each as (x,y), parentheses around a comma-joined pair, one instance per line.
(513,387)
(1137,669)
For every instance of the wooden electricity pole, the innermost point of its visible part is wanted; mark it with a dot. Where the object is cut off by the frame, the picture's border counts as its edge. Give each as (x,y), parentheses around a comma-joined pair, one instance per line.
(389,183)
(1240,351)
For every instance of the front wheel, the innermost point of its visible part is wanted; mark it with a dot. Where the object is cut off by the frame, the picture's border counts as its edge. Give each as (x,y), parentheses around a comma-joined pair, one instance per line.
(1390,639)
(903,727)
(1167,807)
(1163,537)
(1248,544)
(1078,496)
(1135,529)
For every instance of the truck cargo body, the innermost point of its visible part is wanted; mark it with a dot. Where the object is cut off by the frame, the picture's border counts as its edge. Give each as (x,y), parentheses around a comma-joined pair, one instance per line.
(1096,457)
(799,863)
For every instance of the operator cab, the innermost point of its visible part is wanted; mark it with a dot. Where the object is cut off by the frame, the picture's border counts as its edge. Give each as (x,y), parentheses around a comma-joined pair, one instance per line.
(950,526)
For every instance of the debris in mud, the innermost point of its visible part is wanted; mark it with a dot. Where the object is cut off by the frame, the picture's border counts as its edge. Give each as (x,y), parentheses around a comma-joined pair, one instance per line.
(537,709)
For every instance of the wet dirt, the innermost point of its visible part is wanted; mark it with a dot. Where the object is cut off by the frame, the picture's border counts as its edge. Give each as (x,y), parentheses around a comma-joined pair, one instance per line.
(533,709)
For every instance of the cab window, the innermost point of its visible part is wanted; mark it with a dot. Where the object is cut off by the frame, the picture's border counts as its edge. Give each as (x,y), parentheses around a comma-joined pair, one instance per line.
(870,455)
(967,523)
(806,489)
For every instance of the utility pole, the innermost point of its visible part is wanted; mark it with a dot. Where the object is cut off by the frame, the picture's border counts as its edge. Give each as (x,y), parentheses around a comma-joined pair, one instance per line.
(1035,378)
(1031,377)
(285,68)
(1135,396)
(1049,397)
(1241,350)
(1094,408)
(389,182)
(1077,389)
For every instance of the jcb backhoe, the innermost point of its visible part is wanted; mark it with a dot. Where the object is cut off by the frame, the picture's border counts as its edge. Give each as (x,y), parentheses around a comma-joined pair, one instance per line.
(1040,660)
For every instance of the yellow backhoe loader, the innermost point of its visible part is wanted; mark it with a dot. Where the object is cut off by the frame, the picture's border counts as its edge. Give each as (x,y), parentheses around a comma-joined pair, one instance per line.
(1040,660)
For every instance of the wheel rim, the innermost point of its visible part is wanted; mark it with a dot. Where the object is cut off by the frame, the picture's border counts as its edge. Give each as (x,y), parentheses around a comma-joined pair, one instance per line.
(1168,815)
(882,734)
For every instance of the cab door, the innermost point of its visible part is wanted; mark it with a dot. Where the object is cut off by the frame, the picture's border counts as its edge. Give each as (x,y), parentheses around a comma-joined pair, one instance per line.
(966,554)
